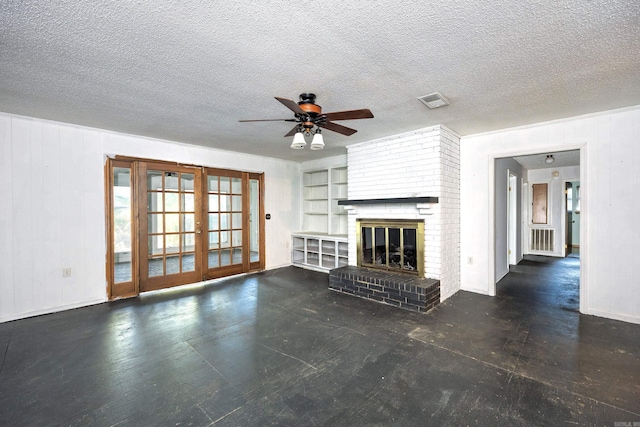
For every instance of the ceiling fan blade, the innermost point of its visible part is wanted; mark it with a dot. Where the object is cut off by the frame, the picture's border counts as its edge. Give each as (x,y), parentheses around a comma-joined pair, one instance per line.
(338,128)
(349,115)
(292,131)
(269,120)
(292,105)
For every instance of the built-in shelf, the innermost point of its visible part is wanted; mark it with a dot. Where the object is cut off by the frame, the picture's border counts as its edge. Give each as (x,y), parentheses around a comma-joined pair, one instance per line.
(322,243)
(388,201)
(322,190)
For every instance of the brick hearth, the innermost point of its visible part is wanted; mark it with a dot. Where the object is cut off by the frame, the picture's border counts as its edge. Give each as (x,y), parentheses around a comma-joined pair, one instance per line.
(401,290)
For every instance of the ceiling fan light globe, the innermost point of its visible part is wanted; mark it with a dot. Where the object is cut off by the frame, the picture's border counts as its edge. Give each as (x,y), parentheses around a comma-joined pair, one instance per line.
(298,141)
(318,142)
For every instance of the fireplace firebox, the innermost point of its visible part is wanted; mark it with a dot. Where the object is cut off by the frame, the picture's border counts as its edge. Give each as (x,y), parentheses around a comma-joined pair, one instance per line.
(393,245)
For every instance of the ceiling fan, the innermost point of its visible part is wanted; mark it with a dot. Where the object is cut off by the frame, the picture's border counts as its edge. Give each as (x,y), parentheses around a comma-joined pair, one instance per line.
(308,114)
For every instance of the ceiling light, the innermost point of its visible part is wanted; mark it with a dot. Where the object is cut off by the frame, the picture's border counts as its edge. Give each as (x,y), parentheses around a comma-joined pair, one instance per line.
(318,141)
(549,159)
(298,141)
(433,100)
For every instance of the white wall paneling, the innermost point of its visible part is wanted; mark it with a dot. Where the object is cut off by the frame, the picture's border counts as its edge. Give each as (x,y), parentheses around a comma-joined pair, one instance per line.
(609,152)
(53,215)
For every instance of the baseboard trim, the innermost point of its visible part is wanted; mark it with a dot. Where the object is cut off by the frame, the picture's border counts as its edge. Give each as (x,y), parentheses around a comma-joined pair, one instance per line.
(475,290)
(615,316)
(18,316)
(504,273)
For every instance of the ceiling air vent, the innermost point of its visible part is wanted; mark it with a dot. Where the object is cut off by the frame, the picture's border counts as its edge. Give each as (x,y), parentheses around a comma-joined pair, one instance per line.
(433,100)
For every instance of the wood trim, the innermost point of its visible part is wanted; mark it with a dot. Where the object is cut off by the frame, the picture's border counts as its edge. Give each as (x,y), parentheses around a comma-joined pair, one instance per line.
(131,288)
(156,162)
(224,172)
(108,196)
(246,222)
(262,214)
(260,264)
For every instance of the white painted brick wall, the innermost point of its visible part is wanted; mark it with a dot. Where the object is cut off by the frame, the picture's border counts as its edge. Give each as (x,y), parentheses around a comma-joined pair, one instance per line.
(425,163)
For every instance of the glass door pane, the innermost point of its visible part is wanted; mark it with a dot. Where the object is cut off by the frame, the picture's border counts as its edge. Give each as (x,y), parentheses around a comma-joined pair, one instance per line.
(170,223)
(254,220)
(122,225)
(224,225)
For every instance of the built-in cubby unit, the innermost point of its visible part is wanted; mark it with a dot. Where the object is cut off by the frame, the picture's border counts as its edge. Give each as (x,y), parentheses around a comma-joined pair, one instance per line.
(322,243)
(319,252)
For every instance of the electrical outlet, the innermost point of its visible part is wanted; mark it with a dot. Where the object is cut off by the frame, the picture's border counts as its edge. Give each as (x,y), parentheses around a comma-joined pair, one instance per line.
(66,272)
(470,260)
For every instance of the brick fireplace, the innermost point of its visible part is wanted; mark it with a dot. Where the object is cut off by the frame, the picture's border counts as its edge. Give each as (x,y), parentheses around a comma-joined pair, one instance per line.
(412,177)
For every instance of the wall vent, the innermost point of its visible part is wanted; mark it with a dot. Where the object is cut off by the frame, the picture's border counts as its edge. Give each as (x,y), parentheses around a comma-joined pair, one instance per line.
(542,240)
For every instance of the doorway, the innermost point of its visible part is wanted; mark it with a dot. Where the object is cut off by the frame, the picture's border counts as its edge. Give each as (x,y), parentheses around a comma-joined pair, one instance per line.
(536,169)
(170,224)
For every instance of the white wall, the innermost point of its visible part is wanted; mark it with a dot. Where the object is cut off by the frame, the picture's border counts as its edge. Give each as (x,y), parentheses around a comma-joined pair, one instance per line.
(609,146)
(52,212)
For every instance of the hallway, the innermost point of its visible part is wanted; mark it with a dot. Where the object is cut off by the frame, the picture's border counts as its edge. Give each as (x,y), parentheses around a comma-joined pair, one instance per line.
(278,348)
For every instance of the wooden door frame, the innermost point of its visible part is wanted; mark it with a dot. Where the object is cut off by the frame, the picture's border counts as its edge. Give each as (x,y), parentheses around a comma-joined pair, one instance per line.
(124,289)
(133,288)
(260,265)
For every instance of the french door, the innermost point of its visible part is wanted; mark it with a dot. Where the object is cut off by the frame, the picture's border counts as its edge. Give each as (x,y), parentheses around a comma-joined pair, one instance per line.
(172,224)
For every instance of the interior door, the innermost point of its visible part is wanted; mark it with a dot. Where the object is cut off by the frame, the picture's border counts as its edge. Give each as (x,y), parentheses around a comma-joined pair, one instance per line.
(170,225)
(568,226)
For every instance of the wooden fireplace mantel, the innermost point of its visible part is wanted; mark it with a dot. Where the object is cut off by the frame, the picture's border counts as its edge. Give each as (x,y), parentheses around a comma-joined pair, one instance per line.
(388,201)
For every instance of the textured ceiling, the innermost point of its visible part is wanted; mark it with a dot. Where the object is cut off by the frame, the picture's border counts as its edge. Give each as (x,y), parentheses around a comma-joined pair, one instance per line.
(189,70)
(561,159)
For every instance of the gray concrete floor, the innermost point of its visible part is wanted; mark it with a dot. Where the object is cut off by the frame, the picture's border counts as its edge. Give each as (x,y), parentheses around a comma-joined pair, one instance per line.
(277,348)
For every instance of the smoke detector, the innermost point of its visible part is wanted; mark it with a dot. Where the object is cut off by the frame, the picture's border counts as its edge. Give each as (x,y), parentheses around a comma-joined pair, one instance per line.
(434,100)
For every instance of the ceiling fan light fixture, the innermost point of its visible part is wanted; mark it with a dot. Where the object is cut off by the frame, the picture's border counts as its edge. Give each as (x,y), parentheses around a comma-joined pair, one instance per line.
(434,100)
(298,141)
(317,143)
(549,159)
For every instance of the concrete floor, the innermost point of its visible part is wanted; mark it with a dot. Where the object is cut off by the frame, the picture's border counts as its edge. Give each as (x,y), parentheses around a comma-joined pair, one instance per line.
(278,348)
